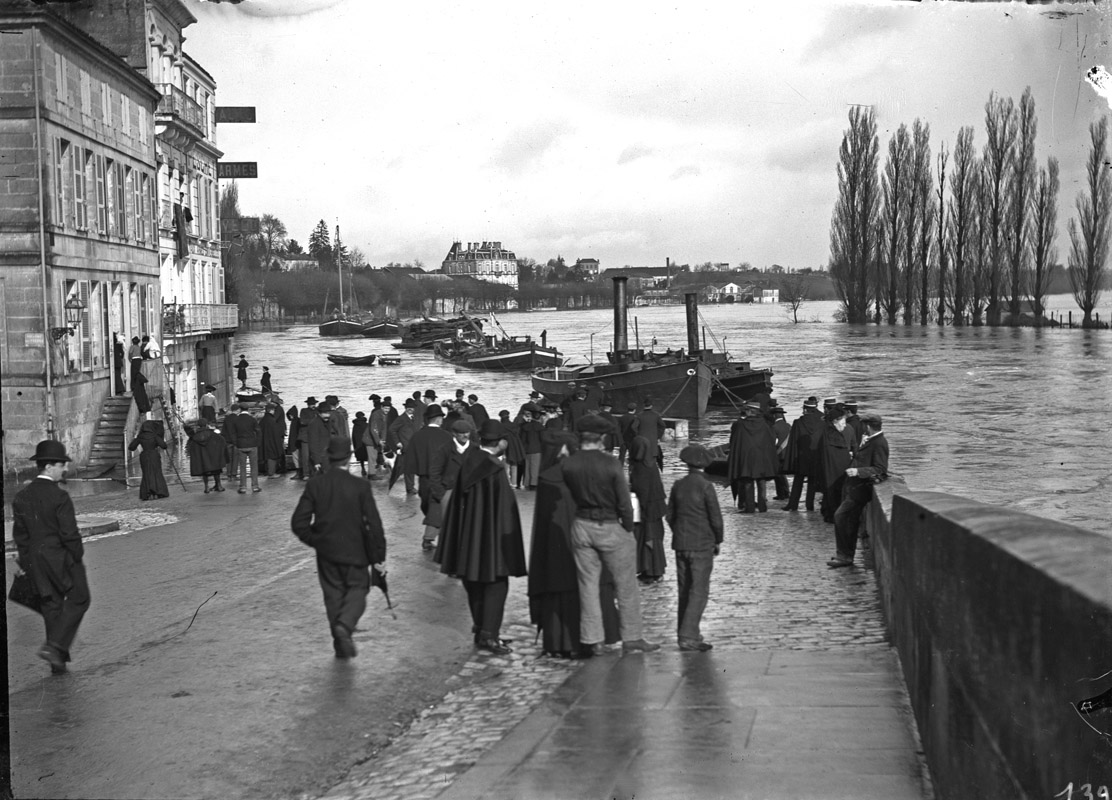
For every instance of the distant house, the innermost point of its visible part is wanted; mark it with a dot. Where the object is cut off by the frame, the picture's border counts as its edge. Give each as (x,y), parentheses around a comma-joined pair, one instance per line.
(296,261)
(767,296)
(484,261)
(643,278)
(587,266)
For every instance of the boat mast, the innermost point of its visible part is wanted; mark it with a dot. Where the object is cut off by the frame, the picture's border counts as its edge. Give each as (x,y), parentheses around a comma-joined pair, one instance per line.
(340,268)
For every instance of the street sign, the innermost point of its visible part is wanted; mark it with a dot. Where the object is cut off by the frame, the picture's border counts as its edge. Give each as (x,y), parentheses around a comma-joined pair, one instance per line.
(237,169)
(235,114)
(244,226)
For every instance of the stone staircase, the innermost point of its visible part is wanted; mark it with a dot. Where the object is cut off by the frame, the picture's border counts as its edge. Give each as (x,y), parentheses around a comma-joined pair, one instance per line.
(108,442)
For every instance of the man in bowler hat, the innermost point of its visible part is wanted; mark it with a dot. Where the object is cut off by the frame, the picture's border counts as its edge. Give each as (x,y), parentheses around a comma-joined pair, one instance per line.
(44,527)
(338,518)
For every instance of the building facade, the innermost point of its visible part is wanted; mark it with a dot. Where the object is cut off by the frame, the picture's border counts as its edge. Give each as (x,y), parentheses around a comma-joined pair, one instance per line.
(484,261)
(199,326)
(78,228)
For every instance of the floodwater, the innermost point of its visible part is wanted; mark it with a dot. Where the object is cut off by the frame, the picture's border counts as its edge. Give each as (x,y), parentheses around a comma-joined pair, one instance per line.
(1016,417)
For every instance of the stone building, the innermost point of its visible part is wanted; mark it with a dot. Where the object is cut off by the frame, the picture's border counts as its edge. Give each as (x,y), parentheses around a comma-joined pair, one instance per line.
(78,227)
(198,325)
(484,261)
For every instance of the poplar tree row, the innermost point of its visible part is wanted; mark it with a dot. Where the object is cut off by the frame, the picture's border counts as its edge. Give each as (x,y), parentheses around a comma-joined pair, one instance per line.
(967,242)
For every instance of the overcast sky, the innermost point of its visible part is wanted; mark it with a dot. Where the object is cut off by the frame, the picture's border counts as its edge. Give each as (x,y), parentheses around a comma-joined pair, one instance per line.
(625,132)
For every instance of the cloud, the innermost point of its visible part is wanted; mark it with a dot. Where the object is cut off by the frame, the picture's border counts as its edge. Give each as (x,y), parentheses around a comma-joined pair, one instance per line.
(634,152)
(687,169)
(846,30)
(526,146)
(279,8)
(809,149)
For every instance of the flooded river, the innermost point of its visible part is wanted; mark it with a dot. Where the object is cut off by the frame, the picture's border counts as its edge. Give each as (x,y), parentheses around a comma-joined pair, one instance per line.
(1016,417)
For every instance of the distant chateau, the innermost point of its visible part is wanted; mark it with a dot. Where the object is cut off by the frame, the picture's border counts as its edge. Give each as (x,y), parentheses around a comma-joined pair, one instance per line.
(484,261)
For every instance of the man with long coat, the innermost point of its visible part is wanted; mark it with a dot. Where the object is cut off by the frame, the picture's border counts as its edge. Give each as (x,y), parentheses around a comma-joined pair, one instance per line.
(753,459)
(48,543)
(444,470)
(338,518)
(208,453)
(312,438)
(272,429)
(422,452)
(803,458)
(628,423)
(398,435)
(650,424)
(481,540)
(376,430)
(837,448)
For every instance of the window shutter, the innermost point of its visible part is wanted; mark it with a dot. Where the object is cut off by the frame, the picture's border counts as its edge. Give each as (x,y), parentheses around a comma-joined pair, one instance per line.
(102,200)
(83,331)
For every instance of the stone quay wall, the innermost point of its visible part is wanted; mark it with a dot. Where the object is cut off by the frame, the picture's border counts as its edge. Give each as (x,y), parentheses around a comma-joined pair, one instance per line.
(1003,623)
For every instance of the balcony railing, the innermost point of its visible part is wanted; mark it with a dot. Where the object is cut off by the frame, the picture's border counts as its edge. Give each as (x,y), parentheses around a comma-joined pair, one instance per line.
(177,103)
(187,318)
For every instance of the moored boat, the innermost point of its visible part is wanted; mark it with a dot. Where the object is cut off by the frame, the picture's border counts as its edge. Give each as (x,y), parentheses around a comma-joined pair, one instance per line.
(678,382)
(340,326)
(352,361)
(381,328)
(423,334)
(514,353)
(389,361)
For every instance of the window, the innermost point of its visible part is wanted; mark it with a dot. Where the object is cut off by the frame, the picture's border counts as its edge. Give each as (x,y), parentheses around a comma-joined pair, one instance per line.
(153,305)
(61,79)
(62,157)
(121,200)
(102,195)
(80,186)
(142,124)
(86,93)
(109,195)
(144,219)
(125,114)
(106,105)
(138,186)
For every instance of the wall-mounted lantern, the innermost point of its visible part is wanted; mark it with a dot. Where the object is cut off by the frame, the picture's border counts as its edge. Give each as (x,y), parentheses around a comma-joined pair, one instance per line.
(73,307)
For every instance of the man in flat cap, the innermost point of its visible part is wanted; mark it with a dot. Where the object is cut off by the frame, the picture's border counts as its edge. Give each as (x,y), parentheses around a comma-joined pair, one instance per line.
(696,522)
(423,450)
(477,410)
(869,467)
(338,518)
(49,550)
(444,469)
(603,534)
(481,538)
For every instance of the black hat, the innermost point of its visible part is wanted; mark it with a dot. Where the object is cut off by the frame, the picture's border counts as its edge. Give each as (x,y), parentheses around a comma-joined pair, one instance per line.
(777,410)
(581,391)
(504,413)
(696,455)
(753,404)
(430,393)
(333,399)
(631,406)
(534,394)
(310,401)
(50,450)
(359,414)
(647,402)
(325,408)
(592,423)
(409,403)
(531,408)
(872,420)
(811,402)
(433,411)
(339,448)
(386,401)
(605,402)
(374,397)
(491,431)
(459,392)
(462,426)
(850,404)
(209,387)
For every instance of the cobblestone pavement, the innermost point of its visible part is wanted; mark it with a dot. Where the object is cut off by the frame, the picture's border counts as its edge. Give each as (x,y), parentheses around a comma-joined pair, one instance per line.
(771,589)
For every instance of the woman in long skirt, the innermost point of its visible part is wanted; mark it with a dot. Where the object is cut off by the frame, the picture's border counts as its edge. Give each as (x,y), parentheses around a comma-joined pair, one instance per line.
(644,481)
(153,484)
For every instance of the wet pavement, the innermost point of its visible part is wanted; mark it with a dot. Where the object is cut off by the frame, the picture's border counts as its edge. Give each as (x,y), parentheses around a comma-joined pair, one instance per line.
(801,696)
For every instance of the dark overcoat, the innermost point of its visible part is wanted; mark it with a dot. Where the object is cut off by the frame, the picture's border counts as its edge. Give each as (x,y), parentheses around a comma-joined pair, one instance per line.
(481,538)
(752,450)
(515,449)
(837,452)
(208,452)
(44,528)
(295,424)
(803,456)
(150,439)
(271,440)
(338,518)
(359,447)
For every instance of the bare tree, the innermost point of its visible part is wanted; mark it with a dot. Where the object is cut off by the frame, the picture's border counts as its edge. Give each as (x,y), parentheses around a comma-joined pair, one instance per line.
(981,245)
(794,288)
(273,233)
(1021,185)
(961,211)
(918,194)
(1090,232)
(895,185)
(854,224)
(1000,127)
(927,211)
(1044,229)
(943,156)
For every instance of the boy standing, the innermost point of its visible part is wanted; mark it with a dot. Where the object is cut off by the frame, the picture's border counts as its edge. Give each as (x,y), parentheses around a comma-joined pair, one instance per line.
(696,522)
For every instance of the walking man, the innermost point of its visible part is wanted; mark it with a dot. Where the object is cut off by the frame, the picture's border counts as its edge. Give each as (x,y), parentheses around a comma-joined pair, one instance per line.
(398,435)
(422,452)
(44,528)
(870,465)
(481,540)
(696,523)
(338,518)
(603,534)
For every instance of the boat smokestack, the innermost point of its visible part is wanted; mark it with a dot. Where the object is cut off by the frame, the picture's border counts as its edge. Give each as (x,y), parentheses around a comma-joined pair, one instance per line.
(621,338)
(691,301)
